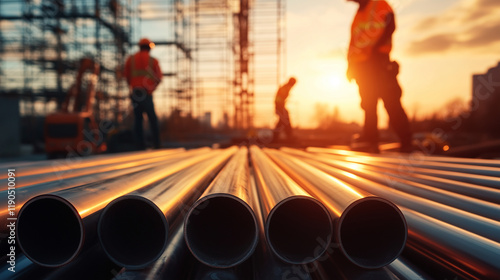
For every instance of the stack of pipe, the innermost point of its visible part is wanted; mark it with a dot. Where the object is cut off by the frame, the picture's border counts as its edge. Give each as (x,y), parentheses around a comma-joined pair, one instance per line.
(258,213)
(458,231)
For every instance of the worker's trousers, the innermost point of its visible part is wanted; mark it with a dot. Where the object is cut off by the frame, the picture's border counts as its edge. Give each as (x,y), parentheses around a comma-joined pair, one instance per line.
(283,123)
(142,102)
(377,78)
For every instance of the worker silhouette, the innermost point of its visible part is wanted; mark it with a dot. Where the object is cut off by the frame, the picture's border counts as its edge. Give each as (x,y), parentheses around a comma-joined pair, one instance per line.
(143,75)
(284,118)
(376,75)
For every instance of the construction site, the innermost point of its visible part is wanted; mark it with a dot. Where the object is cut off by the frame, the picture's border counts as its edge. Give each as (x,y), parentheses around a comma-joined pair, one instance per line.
(220,194)
(218,58)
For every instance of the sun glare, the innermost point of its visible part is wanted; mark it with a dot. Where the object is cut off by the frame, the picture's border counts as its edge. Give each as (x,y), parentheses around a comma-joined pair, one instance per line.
(335,81)
(332,81)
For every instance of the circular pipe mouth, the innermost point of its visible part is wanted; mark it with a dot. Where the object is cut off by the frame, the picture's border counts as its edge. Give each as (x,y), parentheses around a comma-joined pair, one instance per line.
(50,230)
(221,230)
(372,232)
(133,231)
(299,229)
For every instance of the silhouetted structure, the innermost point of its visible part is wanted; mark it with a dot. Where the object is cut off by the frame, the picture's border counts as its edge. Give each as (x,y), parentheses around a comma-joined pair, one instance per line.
(485,113)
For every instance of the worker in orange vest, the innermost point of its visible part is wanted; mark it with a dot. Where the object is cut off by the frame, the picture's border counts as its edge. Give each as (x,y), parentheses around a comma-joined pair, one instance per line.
(143,75)
(376,75)
(284,118)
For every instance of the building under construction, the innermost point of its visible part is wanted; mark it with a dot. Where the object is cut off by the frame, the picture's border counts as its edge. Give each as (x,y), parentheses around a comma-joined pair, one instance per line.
(219,58)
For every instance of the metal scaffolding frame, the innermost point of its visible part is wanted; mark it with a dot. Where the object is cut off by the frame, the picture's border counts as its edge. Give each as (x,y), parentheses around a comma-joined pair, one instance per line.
(243,60)
(268,51)
(43,42)
(220,57)
(214,65)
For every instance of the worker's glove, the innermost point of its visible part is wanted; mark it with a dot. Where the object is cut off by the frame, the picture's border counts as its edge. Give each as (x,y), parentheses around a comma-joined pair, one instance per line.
(393,68)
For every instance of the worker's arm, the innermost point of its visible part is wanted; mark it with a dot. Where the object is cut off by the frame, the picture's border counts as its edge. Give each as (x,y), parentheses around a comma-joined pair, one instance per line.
(350,64)
(157,72)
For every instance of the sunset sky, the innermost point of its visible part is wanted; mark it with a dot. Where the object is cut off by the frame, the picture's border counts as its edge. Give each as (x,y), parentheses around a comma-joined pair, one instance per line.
(439,45)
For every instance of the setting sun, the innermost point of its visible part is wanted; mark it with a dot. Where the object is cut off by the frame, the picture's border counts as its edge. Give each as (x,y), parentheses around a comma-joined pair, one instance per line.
(335,82)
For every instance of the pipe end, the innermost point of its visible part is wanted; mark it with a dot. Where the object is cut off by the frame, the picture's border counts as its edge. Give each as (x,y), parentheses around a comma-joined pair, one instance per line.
(133,231)
(221,230)
(299,229)
(50,231)
(372,232)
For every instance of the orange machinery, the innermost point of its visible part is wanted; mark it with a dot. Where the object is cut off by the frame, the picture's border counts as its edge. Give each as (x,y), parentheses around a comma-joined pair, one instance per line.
(73,129)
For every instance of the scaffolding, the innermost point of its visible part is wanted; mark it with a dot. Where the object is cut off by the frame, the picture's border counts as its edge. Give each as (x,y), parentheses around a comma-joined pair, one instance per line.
(268,51)
(174,48)
(219,57)
(243,60)
(214,65)
(43,42)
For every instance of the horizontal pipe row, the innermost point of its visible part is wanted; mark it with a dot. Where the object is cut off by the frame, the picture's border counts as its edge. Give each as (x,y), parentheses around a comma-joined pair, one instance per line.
(288,213)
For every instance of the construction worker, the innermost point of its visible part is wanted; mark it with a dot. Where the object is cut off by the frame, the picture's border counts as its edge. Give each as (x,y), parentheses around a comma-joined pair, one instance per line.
(284,118)
(143,75)
(376,75)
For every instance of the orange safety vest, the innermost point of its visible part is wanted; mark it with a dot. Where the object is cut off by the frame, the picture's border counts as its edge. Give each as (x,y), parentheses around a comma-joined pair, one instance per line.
(367,27)
(143,71)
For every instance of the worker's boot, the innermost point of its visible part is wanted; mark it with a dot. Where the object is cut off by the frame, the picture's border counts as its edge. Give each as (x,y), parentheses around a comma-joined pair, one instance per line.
(406,147)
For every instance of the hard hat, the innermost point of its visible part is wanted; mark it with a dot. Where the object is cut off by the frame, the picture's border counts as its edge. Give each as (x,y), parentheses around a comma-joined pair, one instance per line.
(146,42)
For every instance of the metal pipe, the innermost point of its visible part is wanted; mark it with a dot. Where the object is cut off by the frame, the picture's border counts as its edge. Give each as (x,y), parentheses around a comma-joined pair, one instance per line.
(458,249)
(426,188)
(203,272)
(481,180)
(373,173)
(24,269)
(133,229)
(64,233)
(174,263)
(401,268)
(374,183)
(434,266)
(57,175)
(26,193)
(486,181)
(464,188)
(446,159)
(445,170)
(336,267)
(298,227)
(370,231)
(76,162)
(412,157)
(90,264)
(218,237)
(266,265)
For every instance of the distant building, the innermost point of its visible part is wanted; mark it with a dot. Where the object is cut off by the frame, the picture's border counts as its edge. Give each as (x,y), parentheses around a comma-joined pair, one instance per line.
(485,104)
(206,120)
(10,138)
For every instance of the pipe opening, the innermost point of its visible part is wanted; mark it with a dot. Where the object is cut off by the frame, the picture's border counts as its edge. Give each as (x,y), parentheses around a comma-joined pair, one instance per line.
(299,230)
(133,231)
(50,231)
(221,231)
(372,232)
